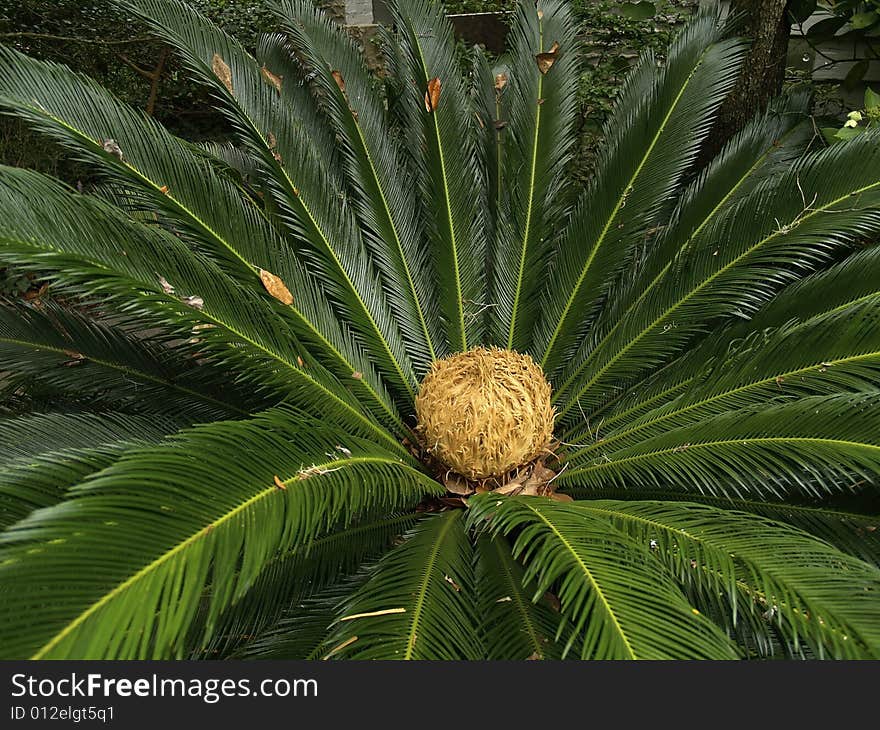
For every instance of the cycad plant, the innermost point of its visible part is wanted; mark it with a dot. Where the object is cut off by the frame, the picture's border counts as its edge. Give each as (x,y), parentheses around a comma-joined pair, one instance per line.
(379,380)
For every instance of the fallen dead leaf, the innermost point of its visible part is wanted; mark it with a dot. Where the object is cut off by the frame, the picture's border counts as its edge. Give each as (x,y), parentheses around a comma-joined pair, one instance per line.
(110,146)
(452,582)
(194,301)
(276,287)
(222,71)
(546,60)
(166,287)
(457,485)
(432,95)
(500,81)
(340,82)
(271,78)
(357,376)
(278,483)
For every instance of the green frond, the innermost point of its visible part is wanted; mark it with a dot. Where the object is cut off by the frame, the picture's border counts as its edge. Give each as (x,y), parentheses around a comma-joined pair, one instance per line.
(108,364)
(787,227)
(305,632)
(513,627)
(300,573)
(814,445)
(768,145)
(541,106)
(619,603)
(654,134)
(835,352)
(383,197)
(418,602)
(257,109)
(446,171)
(850,532)
(116,571)
(165,175)
(810,591)
(44,454)
(80,248)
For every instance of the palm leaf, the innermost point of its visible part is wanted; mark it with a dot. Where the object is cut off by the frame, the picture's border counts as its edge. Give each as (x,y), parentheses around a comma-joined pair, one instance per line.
(299,574)
(166,175)
(799,220)
(257,109)
(44,454)
(850,532)
(418,602)
(811,591)
(814,445)
(653,136)
(167,521)
(541,106)
(375,169)
(620,605)
(512,625)
(446,171)
(101,361)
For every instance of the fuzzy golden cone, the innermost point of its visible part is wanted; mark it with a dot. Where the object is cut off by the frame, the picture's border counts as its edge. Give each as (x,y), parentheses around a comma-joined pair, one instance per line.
(485,412)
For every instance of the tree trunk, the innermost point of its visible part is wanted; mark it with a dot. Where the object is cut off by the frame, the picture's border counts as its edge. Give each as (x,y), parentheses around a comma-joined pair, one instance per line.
(767,26)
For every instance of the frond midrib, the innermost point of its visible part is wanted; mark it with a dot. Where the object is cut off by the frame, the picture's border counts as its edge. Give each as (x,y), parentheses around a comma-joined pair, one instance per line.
(447,207)
(591,578)
(708,280)
(706,220)
(718,396)
(742,441)
(617,207)
(533,168)
(222,241)
(422,593)
(168,554)
(132,372)
(516,592)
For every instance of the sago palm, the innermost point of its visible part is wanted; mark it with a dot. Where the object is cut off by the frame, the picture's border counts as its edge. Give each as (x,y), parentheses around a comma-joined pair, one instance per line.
(380,380)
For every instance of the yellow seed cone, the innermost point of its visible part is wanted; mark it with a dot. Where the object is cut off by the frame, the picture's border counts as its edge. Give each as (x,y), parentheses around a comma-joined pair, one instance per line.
(485,412)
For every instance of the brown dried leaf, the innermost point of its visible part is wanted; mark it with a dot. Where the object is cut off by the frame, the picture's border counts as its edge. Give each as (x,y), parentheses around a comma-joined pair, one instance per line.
(272,140)
(357,376)
(457,485)
(561,497)
(546,60)
(164,189)
(166,287)
(271,78)
(194,301)
(111,147)
(432,95)
(340,82)
(222,71)
(500,81)
(534,657)
(452,582)
(276,287)
(278,483)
